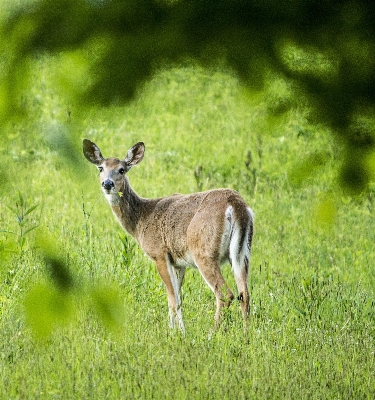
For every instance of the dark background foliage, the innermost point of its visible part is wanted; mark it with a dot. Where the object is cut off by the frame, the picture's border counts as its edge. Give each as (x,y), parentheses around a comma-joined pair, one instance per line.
(125,42)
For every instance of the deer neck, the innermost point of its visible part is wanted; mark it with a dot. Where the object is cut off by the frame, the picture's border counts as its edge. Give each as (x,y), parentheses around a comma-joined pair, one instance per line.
(128,207)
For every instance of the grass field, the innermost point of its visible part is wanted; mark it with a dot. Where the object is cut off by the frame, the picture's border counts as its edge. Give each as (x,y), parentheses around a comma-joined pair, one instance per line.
(312,328)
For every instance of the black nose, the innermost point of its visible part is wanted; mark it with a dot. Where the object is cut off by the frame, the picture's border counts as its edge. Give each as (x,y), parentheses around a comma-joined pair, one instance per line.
(108,184)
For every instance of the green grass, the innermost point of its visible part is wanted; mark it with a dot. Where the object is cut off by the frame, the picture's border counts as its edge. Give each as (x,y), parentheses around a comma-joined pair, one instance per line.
(311,333)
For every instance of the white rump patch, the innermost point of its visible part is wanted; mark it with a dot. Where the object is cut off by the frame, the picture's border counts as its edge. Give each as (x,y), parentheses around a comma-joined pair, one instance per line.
(229,214)
(251,213)
(226,238)
(237,254)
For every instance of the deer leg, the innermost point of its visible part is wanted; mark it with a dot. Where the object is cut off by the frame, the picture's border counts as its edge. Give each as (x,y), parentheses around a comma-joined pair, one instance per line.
(177,277)
(240,267)
(172,279)
(210,270)
(243,293)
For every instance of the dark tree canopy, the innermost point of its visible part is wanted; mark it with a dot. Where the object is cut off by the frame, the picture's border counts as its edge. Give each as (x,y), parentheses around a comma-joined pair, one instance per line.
(326,48)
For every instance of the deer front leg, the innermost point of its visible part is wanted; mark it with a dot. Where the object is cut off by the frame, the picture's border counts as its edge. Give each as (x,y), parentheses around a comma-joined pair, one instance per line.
(172,278)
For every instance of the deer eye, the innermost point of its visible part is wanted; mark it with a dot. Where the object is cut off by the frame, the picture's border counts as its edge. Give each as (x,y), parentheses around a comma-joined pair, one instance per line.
(121,171)
(100,169)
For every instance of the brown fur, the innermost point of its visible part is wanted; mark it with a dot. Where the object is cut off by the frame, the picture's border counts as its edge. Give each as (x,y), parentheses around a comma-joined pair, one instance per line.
(182,230)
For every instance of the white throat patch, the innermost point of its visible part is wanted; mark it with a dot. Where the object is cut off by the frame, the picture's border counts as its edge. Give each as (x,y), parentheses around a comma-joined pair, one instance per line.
(113,198)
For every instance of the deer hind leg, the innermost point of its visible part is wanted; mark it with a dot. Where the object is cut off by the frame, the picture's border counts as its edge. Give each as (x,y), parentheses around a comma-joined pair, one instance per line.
(240,266)
(240,251)
(172,278)
(243,293)
(210,270)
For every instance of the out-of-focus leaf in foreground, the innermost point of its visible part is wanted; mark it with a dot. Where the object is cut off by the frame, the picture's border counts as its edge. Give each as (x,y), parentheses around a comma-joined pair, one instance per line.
(326,211)
(108,305)
(56,265)
(53,304)
(47,308)
(306,167)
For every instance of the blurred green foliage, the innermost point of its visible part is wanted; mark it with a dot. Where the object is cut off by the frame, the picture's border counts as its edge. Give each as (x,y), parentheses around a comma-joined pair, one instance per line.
(107,48)
(46,308)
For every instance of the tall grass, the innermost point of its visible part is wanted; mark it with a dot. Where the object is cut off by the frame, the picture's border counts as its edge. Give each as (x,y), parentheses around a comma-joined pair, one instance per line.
(311,332)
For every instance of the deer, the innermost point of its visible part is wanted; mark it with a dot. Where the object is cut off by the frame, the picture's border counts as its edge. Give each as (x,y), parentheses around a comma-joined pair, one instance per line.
(202,230)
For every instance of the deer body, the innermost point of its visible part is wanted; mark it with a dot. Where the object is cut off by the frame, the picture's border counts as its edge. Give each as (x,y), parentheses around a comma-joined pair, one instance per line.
(202,230)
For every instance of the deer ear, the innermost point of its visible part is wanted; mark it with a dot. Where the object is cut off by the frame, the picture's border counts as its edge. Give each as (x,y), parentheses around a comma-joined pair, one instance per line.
(135,155)
(92,152)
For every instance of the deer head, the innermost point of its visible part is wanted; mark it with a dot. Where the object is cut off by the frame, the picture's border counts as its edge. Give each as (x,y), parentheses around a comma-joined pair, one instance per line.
(113,170)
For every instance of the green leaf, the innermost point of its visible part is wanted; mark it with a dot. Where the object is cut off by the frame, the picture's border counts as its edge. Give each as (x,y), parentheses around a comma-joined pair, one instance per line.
(22,202)
(30,210)
(6,231)
(14,211)
(30,229)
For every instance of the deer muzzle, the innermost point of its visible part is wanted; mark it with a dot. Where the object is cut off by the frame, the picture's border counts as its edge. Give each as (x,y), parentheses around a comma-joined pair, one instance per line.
(108,184)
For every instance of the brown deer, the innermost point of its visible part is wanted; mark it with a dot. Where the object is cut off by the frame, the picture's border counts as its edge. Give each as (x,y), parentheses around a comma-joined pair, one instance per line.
(201,230)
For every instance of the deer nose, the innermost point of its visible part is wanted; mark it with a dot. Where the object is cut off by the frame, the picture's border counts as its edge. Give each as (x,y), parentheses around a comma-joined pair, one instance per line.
(108,184)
